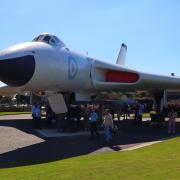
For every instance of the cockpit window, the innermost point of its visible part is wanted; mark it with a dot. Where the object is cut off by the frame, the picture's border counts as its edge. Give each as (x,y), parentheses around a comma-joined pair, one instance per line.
(53,41)
(50,39)
(56,39)
(38,38)
(46,38)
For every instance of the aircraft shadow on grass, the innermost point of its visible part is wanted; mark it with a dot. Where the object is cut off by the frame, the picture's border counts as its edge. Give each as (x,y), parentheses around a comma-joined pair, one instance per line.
(53,149)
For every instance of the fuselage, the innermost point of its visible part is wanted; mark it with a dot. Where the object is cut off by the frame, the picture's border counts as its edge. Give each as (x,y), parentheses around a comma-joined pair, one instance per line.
(60,69)
(47,64)
(39,65)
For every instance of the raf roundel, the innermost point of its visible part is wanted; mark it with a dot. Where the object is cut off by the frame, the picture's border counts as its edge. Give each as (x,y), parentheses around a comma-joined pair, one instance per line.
(72,68)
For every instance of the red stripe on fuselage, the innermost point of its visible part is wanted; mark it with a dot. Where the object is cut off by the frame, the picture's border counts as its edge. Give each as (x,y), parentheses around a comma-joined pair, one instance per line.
(121,76)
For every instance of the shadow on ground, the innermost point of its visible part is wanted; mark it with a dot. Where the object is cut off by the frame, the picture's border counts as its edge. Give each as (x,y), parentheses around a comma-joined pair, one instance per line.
(53,149)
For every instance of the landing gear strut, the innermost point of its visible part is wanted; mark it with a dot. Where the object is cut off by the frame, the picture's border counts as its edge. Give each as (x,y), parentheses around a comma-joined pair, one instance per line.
(159,98)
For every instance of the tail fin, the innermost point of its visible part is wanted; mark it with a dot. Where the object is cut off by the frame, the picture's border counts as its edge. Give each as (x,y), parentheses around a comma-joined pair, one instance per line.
(122,55)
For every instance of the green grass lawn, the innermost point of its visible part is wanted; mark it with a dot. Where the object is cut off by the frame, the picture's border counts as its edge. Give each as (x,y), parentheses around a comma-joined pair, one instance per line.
(159,161)
(13,113)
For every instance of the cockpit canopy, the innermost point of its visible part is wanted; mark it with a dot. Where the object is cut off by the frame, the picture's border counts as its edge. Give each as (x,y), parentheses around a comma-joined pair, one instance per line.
(49,39)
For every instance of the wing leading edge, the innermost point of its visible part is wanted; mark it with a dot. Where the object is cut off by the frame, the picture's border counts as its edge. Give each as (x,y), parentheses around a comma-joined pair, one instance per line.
(108,77)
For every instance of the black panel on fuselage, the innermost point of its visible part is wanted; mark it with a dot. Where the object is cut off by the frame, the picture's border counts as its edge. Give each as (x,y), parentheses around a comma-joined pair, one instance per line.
(17,71)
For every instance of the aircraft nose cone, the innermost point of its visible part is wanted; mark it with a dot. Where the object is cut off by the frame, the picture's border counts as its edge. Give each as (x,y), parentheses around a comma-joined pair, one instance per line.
(17,71)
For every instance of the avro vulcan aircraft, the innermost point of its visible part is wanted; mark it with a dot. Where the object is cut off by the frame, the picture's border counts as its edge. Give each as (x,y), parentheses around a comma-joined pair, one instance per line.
(47,65)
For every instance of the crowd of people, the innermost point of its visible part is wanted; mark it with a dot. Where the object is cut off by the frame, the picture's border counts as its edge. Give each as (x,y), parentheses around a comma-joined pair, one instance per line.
(98,115)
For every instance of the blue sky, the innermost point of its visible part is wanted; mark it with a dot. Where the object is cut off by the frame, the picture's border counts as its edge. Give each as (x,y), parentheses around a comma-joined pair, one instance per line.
(150,28)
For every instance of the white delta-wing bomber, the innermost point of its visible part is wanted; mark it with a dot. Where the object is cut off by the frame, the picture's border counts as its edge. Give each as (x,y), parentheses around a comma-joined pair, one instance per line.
(46,64)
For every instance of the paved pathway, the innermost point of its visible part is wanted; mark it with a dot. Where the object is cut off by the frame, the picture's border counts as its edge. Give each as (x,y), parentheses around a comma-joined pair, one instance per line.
(21,145)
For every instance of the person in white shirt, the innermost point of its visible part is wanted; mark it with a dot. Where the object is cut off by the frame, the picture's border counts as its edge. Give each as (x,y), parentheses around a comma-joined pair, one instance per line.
(108,125)
(172,115)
